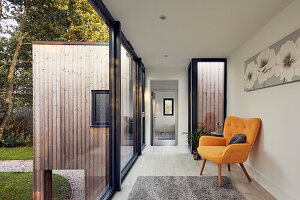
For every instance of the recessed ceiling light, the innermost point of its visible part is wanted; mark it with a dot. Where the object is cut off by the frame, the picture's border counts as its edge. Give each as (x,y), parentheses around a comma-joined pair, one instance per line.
(165,56)
(163,17)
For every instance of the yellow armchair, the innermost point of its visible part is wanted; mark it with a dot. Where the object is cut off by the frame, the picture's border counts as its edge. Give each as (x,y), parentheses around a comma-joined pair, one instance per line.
(220,152)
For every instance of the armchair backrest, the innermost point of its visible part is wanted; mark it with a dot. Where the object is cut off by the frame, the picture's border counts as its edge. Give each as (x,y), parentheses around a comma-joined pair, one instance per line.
(236,125)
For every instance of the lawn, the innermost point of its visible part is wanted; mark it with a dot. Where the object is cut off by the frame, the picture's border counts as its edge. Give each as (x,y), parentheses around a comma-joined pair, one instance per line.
(16,153)
(18,185)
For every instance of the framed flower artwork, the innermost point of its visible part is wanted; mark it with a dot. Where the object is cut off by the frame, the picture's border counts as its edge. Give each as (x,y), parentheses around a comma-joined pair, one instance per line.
(275,65)
(168,106)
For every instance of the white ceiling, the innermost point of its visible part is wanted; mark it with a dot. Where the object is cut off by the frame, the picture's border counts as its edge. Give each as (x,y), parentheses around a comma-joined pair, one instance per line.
(193,29)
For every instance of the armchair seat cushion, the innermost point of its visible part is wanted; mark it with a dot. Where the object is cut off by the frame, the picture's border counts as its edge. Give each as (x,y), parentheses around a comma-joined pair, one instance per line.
(219,151)
(235,153)
(212,153)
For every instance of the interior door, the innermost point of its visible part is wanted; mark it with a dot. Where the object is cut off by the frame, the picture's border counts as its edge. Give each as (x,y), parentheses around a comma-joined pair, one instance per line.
(164,118)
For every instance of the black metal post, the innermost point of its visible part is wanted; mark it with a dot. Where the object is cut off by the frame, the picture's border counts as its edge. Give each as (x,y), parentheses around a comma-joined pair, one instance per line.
(139,113)
(115,108)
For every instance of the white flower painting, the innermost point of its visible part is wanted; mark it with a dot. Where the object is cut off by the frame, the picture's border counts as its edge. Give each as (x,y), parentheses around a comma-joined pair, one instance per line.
(250,75)
(288,61)
(297,70)
(266,61)
(278,64)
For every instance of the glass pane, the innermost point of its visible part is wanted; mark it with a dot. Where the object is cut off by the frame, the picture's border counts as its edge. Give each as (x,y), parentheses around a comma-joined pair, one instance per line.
(127,107)
(210,94)
(102,107)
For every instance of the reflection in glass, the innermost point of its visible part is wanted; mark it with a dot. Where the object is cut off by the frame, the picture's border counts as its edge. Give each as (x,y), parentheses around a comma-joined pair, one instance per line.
(100,107)
(127,107)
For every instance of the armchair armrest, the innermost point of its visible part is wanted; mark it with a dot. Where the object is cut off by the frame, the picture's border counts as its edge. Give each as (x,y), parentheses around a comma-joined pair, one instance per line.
(236,153)
(211,141)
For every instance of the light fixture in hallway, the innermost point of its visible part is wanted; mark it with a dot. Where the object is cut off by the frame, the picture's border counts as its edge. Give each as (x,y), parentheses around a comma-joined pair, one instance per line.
(163,17)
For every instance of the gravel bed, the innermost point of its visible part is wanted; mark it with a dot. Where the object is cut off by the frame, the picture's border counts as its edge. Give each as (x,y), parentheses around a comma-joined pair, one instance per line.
(16,166)
(75,177)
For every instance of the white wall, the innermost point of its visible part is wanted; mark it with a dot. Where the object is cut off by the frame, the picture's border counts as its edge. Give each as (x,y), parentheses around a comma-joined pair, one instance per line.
(167,74)
(274,161)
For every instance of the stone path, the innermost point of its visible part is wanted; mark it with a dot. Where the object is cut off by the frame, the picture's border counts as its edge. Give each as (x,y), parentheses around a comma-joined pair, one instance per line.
(75,177)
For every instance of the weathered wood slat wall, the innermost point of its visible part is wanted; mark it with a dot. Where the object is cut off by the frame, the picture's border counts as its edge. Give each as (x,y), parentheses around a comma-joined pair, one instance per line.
(210,94)
(64,77)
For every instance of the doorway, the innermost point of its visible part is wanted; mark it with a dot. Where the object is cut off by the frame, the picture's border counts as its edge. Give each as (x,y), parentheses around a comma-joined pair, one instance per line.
(164,113)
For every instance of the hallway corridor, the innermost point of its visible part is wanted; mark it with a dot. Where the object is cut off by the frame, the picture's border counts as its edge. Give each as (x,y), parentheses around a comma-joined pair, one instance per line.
(177,161)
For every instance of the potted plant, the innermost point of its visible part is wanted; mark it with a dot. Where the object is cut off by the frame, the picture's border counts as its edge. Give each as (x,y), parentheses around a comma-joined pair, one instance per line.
(193,139)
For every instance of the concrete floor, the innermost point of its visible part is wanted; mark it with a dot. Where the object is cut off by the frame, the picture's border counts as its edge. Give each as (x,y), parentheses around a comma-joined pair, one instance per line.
(177,161)
(157,142)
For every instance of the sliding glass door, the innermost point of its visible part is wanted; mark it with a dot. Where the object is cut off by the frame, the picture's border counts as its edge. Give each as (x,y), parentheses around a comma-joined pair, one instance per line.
(128,107)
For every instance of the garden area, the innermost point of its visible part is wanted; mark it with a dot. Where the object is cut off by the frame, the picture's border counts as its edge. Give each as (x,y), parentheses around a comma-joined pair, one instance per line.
(18,185)
(22,22)
(16,153)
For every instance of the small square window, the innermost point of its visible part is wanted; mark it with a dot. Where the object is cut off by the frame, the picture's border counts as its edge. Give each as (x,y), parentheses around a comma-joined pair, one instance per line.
(168,106)
(100,107)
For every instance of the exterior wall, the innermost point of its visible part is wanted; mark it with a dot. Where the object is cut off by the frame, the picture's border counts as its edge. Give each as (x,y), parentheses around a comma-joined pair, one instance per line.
(210,94)
(64,76)
(274,160)
(179,74)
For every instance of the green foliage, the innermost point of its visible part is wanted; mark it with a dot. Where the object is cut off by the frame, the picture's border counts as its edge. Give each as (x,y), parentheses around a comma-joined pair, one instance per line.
(18,185)
(19,131)
(84,24)
(51,20)
(16,153)
(13,139)
(193,137)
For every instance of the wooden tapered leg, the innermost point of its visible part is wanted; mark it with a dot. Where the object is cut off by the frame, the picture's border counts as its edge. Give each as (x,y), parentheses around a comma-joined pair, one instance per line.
(203,165)
(228,167)
(245,171)
(219,175)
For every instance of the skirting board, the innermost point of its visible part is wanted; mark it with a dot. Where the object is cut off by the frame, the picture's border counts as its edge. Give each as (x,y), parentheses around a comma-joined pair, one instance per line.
(275,190)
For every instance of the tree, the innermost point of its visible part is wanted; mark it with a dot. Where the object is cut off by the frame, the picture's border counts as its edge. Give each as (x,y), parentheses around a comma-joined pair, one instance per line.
(24,21)
(13,62)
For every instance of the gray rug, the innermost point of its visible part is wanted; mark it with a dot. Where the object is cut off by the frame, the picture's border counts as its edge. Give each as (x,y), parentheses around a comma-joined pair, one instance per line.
(183,188)
(166,136)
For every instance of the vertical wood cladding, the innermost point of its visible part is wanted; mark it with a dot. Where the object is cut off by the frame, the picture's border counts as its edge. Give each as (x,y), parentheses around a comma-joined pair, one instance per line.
(64,76)
(210,94)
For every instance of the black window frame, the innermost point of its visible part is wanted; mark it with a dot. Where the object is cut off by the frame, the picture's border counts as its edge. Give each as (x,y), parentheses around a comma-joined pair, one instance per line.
(116,37)
(95,123)
(193,90)
(164,102)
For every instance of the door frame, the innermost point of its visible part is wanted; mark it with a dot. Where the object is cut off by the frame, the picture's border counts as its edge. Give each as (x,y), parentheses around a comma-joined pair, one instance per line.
(176,113)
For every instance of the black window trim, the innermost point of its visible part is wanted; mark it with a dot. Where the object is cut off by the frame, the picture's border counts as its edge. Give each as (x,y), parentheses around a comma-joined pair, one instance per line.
(95,123)
(193,90)
(164,100)
(116,37)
